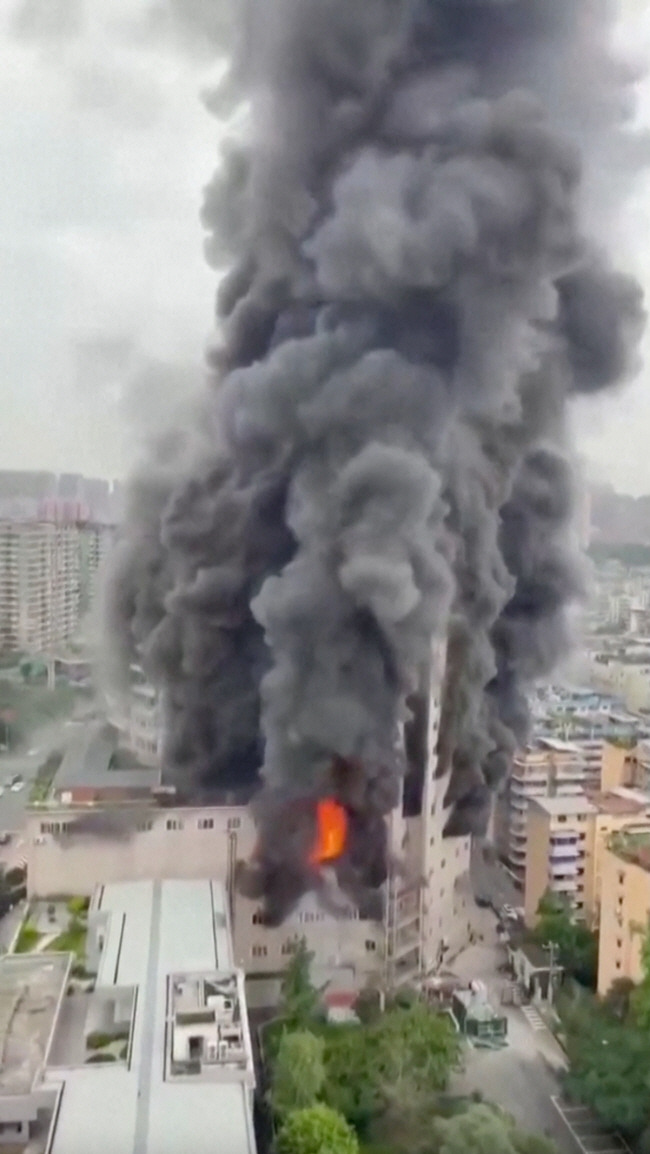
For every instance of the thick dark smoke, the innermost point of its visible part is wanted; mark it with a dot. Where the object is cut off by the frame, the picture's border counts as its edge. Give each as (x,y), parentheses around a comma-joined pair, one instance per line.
(413,298)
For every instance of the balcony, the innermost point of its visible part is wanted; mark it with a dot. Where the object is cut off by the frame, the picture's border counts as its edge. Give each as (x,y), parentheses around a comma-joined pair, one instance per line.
(569,851)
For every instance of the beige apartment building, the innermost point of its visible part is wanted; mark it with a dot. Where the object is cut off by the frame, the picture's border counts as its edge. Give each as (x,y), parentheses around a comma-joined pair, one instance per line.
(625,909)
(567,840)
(547,768)
(39,586)
(429,907)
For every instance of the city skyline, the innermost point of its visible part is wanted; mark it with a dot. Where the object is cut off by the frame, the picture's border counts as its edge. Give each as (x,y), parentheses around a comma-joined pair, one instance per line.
(103,247)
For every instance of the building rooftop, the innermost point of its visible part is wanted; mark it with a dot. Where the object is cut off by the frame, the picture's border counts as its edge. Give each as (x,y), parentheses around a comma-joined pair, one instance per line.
(557,746)
(619,802)
(87,762)
(632,846)
(31,990)
(566,805)
(165,952)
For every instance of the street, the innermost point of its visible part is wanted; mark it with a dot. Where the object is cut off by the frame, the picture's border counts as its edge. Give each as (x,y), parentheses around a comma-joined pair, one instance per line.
(523,1078)
(491,879)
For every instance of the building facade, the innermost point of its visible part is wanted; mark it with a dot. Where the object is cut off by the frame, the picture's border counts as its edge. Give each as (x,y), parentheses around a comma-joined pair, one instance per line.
(548,768)
(625,908)
(567,838)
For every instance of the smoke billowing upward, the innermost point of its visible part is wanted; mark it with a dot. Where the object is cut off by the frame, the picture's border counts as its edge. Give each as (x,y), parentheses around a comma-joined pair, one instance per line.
(413,297)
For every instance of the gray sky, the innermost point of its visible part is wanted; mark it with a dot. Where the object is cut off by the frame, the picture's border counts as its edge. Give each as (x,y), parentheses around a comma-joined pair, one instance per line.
(104,150)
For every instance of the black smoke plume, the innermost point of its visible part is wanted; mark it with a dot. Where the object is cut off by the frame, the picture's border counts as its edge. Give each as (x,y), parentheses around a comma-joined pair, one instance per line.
(414,294)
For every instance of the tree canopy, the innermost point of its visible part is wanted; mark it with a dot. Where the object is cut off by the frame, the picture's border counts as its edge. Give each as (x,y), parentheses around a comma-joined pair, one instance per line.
(608,1046)
(577,946)
(298,1072)
(300,1001)
(484,1130)
(316,1130)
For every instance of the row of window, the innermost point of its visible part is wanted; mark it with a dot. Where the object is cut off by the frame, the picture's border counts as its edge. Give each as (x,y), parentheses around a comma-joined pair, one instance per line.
(290,948)
(172,823)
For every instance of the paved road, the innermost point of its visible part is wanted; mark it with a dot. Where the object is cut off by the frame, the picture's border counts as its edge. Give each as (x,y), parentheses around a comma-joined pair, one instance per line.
(521,1080)
(491,879)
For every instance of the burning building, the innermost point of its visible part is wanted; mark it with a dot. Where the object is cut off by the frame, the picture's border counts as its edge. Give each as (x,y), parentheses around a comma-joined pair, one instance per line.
(415,294)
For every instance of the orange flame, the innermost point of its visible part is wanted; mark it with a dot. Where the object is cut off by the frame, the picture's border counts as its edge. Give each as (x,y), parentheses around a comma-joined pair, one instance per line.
(331,832)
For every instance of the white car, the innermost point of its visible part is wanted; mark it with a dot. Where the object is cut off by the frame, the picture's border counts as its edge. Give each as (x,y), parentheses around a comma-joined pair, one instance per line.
(509,913)
(17,786)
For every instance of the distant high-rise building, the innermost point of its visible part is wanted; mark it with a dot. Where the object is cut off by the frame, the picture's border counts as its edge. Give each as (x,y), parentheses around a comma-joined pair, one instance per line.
(39,586)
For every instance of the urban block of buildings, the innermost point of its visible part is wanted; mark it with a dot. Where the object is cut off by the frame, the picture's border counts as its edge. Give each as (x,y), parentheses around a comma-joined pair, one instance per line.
(166,988)
(102,825)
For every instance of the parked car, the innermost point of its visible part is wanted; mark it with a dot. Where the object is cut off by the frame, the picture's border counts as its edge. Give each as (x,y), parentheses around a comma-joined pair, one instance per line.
(5,837)
(508,914)
(482,903)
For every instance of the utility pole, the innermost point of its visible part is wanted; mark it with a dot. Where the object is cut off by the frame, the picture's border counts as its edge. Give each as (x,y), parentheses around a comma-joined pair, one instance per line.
(552,948)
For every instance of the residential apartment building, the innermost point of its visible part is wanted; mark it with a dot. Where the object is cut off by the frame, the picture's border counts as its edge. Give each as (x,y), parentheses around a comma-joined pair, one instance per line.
(625,907)
(428,907)
(39,586)
(567,838)
(547,768)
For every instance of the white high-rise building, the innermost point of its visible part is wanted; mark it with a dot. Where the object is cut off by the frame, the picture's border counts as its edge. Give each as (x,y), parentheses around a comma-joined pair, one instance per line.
(39,586)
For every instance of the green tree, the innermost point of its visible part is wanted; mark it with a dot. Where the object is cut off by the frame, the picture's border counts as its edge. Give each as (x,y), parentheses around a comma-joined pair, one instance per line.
(577,946)
(485,1130)
(317,1130)
(640,997)
(406,1056)
(300,1001)
(609,1069)
(298,1072)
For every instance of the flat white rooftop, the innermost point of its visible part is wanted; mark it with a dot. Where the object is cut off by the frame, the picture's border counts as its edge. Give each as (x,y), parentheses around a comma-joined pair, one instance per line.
(154,930)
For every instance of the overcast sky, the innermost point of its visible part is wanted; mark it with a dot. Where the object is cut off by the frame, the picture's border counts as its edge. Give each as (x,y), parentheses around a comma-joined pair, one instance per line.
(105,299)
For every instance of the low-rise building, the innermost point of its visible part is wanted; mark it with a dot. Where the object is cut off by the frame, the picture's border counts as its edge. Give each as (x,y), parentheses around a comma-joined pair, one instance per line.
(625,907)
(167,990)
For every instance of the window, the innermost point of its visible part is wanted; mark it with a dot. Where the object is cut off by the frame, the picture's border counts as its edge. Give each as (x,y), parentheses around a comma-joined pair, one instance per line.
(431,840)
(561,817)
(618,965)
(619,943)
(443,863)
(621,877)
(55,827)
(371,946)
(206,823)
(173,823)
(144,826)
(258,918)
(259,951)
(289,948)
(233,823)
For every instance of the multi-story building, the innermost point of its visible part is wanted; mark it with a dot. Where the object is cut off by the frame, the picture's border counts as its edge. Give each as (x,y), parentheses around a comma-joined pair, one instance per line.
(567,838)
(135,712)
(39,586)
(547,768)
(169,994)
(95,543)
(428,908)
(625,907)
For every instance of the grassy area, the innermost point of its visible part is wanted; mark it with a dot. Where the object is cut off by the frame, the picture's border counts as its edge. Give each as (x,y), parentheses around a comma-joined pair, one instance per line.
(28,939)
(72,940)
